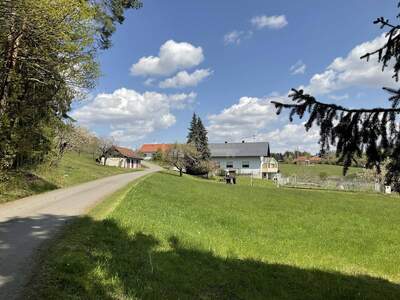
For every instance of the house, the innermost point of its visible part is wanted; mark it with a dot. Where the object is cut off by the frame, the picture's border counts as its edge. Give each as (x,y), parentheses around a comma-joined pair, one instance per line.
(148,150)
(245,158)
(121,157)
(307,161)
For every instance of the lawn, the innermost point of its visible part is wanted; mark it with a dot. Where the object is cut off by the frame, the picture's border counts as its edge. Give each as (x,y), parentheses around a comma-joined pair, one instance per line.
(182,238)
(316,170)
(73,169)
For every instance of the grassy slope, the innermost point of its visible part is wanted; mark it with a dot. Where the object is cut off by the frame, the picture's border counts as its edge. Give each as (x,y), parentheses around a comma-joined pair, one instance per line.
(73,169)
(315,170)
(183,238)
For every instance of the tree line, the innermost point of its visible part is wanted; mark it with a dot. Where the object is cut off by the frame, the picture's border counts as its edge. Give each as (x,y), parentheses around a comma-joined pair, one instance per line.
(48,59)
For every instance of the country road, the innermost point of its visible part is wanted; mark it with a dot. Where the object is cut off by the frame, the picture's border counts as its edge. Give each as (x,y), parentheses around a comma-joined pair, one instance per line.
(25,224)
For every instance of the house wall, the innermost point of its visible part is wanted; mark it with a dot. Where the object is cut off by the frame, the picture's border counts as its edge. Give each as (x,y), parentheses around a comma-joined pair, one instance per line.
(254,164)
(122,162)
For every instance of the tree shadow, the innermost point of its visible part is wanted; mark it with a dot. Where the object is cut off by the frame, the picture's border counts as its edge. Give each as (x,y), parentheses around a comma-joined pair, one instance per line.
(102,260)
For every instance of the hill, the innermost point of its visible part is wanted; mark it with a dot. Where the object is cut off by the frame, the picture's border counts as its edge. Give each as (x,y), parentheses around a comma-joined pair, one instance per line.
(73,169)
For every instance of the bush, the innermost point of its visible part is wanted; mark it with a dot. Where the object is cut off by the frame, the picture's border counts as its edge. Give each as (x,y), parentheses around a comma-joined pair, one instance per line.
(323,176)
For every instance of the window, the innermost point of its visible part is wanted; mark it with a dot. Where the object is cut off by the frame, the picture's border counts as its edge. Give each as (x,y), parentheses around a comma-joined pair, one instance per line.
(229,164)
(245,164)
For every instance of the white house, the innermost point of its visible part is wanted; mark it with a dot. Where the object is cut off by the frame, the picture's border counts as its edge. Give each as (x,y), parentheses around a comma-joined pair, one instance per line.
(121,157)
(245,158)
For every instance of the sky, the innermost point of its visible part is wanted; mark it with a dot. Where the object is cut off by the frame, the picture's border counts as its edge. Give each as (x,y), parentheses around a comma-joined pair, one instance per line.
(226,60)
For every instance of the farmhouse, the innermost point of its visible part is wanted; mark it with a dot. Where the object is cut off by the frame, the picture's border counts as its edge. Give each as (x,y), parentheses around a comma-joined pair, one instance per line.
(245,158)
(121,157)
(148,150)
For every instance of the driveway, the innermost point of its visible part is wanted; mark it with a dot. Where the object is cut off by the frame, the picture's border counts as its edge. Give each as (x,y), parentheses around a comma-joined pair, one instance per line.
(25,224)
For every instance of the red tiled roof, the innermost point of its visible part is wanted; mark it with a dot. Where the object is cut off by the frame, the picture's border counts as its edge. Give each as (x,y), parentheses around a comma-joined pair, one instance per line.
(127,152)
(152,148)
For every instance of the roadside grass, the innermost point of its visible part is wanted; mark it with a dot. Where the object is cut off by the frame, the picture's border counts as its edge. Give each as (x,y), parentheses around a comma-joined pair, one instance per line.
(183,238)
(315,170)
(73,169)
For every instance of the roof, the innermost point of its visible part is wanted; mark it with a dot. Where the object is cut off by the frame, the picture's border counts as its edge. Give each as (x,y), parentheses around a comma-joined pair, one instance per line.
(126,152)
(239,149)
(152,148)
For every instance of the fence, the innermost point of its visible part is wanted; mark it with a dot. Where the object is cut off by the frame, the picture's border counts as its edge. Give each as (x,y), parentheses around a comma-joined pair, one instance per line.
(339,184)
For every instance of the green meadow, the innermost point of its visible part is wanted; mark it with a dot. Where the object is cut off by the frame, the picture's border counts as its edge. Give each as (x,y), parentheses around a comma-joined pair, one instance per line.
(167,237)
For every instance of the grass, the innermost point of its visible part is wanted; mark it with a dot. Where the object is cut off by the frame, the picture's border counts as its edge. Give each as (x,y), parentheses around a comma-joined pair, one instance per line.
(183,238)
(73,169)
(316,170)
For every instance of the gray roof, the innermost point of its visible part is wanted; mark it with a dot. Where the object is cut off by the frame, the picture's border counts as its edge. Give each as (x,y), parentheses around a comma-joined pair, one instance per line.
(238,149)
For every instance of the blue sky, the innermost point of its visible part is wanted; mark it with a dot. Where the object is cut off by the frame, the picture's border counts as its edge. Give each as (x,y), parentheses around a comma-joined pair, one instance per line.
(225,60)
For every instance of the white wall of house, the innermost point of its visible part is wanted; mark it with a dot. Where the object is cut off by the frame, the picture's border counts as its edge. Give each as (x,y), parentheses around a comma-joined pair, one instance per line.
(122,162)
(244,165)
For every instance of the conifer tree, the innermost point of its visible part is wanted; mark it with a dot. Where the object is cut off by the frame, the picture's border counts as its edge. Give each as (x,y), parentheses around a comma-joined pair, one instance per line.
(202,146)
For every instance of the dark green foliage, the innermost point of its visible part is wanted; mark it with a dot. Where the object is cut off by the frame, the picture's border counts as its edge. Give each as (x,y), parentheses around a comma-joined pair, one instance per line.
(358,132)
(48,53)
(108,14)
(197,137)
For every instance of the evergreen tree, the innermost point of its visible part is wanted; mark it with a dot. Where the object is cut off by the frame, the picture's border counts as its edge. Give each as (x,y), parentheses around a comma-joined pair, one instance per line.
(193,137)
(202,146)
(354,132)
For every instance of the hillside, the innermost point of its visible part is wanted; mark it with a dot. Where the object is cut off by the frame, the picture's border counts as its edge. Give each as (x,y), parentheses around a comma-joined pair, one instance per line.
(316,170)
(186,238)
(73,169)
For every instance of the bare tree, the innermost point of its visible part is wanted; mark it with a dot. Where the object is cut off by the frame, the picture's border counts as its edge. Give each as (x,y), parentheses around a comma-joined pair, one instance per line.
(178,155)
(104,145)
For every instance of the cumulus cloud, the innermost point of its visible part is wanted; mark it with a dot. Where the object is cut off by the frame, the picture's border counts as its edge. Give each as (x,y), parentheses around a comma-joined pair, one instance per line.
(251,119)
(292,137)
(129,115)
(298,68)
(351,71)
(185,79)
(272,22)
(172,57)
(241,120)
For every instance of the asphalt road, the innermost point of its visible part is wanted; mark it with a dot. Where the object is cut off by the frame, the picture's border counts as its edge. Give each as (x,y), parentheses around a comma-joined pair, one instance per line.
(25,224)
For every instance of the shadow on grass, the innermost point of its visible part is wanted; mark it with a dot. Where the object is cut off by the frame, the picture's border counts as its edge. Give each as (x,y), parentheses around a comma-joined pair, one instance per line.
(100,260)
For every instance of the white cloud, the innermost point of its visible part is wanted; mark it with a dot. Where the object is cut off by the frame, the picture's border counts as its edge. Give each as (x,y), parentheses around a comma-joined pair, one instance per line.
(130,115)
(184,79)
(272,22)
(241,120)
(149,82)
(351,71)
(251,119)
(298,68)
(236,37)
(172,57)
(292,137)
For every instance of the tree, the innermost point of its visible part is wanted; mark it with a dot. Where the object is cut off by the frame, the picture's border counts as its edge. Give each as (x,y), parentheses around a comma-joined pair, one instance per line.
(197,137)
(193,135)
(178,155)
(202,146)
(354,132)
(48,52)
(104,146)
